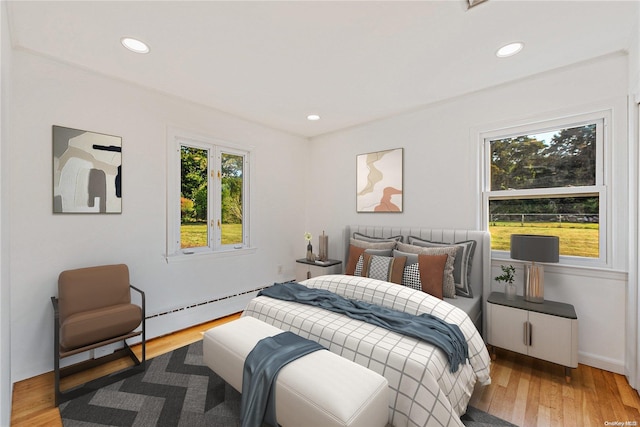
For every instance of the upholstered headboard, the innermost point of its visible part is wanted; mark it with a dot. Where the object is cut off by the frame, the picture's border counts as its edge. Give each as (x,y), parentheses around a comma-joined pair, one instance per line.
(481,265)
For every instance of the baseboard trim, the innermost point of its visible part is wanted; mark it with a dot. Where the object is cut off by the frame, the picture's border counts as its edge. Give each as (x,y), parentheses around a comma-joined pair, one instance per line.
(600,362)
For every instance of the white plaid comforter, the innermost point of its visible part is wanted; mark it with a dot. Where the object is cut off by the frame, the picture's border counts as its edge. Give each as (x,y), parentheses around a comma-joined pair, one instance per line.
(422,390)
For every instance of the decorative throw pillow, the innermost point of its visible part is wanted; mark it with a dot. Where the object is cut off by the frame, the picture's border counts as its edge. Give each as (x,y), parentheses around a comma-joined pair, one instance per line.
(425,274)
(357,248)
(411,276)
(381,252)
(388,269)
(372,239)
(448,284)
(462,264)
(431,273)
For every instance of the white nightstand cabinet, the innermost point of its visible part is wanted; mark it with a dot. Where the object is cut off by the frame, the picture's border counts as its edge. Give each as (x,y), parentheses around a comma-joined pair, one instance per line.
(308,269)
(547,330)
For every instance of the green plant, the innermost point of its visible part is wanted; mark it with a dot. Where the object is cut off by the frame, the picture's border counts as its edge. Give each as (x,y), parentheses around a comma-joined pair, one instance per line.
(508,274)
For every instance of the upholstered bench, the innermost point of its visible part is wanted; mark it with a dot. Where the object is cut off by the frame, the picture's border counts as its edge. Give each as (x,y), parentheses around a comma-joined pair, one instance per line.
(320,389)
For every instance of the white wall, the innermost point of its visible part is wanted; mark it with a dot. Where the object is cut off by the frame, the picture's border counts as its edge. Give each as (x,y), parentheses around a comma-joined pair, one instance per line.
(47,93)
(5,290)
(441,172)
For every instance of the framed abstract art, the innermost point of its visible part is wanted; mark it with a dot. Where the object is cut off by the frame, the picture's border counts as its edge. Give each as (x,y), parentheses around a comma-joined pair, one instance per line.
(87,172)
(379,181)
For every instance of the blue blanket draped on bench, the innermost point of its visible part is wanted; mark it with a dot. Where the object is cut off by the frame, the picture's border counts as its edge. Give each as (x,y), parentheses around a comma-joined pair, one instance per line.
(448,337)
(261,367)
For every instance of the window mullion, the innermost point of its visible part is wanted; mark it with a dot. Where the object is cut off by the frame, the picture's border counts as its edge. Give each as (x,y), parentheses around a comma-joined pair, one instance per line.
(545,192)
(215,199)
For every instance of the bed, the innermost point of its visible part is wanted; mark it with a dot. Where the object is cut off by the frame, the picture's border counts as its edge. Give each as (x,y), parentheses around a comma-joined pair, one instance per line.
(423,391)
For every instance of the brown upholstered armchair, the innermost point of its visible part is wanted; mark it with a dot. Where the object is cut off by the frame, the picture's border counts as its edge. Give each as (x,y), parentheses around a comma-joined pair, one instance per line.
(94,309)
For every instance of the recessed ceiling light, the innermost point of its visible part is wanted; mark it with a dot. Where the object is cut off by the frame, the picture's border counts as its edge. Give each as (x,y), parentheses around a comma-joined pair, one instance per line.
(134,45)
(509,50)
(313,117)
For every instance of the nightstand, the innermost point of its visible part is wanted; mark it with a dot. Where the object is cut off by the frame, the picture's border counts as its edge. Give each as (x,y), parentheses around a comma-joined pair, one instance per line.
(547,330)
(308,269)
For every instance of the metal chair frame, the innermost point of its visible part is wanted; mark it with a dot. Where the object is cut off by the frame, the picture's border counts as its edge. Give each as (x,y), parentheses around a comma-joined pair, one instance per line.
(139,364)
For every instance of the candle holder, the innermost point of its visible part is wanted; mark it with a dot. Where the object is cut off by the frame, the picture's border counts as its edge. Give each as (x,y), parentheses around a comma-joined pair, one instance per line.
(324,247)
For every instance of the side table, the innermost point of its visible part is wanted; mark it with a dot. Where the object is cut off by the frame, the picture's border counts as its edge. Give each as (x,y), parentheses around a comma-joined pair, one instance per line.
(308,269)
(547,330)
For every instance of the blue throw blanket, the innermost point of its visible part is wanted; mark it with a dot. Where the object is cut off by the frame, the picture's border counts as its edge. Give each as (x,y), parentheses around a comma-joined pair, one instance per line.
(261,367)
(435,331)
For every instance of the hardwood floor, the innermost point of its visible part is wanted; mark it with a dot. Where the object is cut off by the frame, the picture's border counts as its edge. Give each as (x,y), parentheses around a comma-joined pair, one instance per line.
(524,391)
(532,392)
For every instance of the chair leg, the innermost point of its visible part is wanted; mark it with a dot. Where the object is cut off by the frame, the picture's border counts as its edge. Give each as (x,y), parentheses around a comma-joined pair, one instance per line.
(56,352)
(56,370)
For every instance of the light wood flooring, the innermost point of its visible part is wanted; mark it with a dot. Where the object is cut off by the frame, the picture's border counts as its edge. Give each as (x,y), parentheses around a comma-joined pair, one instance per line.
(524,391)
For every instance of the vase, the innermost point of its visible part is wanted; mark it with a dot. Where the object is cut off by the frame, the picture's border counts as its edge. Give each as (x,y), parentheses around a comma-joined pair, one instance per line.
(309,252)
(510,291)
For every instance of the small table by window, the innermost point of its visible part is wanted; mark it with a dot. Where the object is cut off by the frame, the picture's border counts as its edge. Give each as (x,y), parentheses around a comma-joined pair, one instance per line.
(547,330)
(308,269)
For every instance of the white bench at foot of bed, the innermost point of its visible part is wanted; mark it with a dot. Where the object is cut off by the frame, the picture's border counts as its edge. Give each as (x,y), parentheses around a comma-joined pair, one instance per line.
(320,389)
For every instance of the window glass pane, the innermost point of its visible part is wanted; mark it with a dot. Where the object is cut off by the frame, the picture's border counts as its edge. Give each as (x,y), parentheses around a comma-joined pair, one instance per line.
(574,219)
(232,199)
(560,158)
(194,189)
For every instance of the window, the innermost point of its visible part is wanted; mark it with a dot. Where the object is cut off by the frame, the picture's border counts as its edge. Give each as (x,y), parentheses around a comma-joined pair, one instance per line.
(209,205)
(548,179)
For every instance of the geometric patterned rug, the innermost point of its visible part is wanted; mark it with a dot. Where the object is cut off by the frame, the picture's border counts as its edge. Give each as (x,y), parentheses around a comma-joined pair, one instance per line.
(177,390)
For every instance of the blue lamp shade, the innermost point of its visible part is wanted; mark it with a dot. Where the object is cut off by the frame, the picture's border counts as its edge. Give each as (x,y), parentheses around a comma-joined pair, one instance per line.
(529,247)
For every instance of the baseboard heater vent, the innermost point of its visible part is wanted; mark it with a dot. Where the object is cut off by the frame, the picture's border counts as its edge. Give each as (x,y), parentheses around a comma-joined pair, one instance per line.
(175,310)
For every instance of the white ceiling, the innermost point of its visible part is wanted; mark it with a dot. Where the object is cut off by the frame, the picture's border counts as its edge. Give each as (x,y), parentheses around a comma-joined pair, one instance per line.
(350,62)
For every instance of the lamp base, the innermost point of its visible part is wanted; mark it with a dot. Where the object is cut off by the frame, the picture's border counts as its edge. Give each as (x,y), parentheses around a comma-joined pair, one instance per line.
(534,283)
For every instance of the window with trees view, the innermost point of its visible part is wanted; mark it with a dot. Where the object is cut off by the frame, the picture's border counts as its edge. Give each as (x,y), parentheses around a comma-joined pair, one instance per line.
(213,203)
(548,180)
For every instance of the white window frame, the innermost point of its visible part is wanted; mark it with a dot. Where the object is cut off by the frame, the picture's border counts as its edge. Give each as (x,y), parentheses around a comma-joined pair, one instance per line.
(176,138)
(600,189)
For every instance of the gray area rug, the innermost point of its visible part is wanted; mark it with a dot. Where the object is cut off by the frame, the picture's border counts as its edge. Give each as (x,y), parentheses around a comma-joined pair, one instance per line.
(177,389)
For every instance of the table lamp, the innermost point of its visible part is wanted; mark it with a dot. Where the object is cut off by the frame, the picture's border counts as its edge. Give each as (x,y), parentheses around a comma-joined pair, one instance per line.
(528,247)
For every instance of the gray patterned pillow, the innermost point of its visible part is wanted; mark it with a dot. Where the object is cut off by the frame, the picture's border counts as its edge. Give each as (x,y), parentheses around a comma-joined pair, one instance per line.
(388,269)
(382,252)
(357,247)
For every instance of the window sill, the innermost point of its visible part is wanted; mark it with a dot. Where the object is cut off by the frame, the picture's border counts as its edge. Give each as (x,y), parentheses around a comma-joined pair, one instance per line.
(181,257)
(598,271)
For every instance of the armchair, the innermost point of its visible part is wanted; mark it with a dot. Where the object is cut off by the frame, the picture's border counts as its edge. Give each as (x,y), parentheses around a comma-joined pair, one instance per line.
(94,309)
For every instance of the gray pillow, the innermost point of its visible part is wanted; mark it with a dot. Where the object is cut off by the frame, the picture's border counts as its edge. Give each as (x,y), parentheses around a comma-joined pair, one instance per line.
(365,238)
(411,258)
